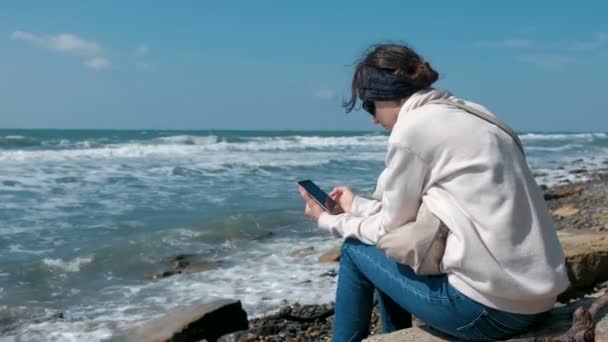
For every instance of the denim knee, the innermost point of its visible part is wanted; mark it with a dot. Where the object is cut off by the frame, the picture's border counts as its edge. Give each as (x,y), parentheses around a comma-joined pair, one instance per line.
(348,244)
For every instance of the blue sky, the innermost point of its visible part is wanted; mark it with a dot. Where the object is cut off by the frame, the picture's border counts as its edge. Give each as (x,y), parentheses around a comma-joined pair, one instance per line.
(287,65)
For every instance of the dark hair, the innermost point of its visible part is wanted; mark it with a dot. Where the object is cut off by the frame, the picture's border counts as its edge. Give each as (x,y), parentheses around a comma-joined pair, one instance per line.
(403,61)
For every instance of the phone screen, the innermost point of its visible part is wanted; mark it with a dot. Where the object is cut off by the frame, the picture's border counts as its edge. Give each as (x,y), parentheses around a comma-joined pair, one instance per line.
(321,197)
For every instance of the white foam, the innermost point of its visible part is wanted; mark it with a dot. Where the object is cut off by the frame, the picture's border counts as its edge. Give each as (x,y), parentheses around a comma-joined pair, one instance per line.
(142,150)
(563,136)
(260,275)
(554,148)
(16,248)
(73,265)
(189,140)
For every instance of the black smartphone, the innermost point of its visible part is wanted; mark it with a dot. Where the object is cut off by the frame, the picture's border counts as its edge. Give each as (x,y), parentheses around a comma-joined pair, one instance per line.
(321,197)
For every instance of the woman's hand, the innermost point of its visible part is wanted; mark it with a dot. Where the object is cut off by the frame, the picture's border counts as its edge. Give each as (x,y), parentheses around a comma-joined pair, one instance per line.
(344,196)
(313,209)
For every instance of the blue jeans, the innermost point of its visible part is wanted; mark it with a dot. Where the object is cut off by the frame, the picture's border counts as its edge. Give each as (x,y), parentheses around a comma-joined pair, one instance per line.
(401,293)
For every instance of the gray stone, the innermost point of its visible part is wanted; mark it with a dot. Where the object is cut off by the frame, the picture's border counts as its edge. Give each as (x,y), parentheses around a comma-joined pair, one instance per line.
(202,266)
(556,324)
(302,252)
(191,323)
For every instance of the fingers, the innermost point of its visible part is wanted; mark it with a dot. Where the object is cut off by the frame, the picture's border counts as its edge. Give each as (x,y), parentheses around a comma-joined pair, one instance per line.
(304,194)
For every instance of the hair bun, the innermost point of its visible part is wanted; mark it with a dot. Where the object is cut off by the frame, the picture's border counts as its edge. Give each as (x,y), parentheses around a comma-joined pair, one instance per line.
(424,76)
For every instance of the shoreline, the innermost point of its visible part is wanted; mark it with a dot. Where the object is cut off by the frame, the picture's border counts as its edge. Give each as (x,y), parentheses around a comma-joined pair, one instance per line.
(585,209)
(575,205)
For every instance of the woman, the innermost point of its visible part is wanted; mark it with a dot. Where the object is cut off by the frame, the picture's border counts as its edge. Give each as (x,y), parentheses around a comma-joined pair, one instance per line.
(503,265)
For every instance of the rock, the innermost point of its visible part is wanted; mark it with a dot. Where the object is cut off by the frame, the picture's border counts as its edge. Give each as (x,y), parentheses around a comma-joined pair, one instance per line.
(418,334)
(586,258)
(263,236)
(161,274)
(566,211)
(330,273)
(563,191)
(558,322)
(202,266)
(577,171)
(332,255)
(179,264)
(193,323)
(302,252)
(184,263)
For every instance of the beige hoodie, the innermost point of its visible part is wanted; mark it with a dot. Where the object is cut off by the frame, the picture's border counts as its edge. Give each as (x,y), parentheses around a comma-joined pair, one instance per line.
(503,249)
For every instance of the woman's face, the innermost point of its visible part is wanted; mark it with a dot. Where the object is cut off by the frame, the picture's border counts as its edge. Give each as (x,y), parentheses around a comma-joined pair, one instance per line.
(386,113)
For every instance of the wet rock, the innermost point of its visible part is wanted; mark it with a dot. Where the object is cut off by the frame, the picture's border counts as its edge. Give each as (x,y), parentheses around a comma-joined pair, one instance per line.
(193,323)
(577,171)
(178,257)
(179,264)
(263,236)
(58,316)
(202,266)
(184,264)
(161,274)
(330,273)
(332,255)
(302,252)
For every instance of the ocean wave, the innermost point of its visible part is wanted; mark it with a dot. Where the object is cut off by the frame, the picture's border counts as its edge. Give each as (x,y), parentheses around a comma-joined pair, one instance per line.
(563,136)
(69,265)
(16,248)
(187,145)
(553,148)
(189,140)
(17,141)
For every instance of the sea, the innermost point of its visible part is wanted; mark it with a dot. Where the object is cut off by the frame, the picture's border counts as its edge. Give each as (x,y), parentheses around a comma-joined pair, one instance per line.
(85,215)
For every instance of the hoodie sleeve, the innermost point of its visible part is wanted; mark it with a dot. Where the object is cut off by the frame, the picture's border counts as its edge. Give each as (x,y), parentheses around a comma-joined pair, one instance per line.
(403,179)
(362,206)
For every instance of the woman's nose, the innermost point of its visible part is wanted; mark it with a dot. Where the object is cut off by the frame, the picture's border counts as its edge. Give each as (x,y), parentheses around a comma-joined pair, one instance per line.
(375,121)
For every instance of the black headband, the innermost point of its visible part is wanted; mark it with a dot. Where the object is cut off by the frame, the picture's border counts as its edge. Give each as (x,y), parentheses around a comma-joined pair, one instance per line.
(381,84)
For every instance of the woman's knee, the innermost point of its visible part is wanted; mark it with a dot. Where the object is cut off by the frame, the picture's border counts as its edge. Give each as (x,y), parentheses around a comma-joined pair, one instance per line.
(349,244)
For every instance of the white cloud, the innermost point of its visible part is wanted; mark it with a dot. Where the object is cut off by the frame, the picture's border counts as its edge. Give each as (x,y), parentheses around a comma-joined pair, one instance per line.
(26,36)
(64,42)
(548,62)
(142,50)
(98,63)
(69,44)
(324,94)
(508,44)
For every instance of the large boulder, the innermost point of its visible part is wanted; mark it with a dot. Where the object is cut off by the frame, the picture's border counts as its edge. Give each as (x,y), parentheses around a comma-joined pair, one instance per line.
(192,323)
(558,322)
(586,259)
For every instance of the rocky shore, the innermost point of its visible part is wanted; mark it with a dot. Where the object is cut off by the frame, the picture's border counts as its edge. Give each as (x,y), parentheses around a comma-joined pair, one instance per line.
(580,212)
(580,206)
